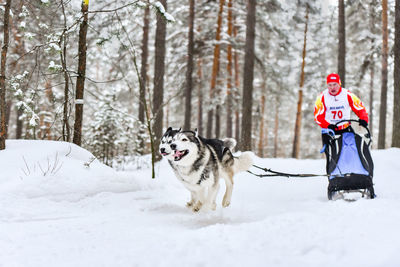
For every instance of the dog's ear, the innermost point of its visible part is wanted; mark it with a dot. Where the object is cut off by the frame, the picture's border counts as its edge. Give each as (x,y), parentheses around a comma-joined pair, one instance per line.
(169,129)
(196,133)
(179,130)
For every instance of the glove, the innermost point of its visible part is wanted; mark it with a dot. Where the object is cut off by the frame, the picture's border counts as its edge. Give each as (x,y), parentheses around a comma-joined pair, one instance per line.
(363,123)
(332,127)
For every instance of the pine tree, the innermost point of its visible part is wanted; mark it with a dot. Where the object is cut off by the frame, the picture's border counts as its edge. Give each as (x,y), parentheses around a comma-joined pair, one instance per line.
(215,69)
(384,73)
(4,50)
(248,75)
(342,44)
(296,142)
(159,70)
(80,81)
(189,70)
(396,102)
(143,74)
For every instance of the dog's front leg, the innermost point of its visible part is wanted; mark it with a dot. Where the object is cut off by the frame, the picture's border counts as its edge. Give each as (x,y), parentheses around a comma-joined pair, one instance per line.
(229,188)
(212,195)
(199,199)
(192,200)
(197,206)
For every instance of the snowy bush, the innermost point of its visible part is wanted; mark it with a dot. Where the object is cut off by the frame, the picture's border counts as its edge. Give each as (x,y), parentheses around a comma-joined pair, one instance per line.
(112,134)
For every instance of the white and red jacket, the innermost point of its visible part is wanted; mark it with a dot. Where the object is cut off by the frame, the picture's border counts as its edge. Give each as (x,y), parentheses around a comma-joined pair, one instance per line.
(330,109)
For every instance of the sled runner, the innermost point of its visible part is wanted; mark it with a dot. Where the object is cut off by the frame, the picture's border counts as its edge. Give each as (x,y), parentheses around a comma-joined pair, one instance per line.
(349,163)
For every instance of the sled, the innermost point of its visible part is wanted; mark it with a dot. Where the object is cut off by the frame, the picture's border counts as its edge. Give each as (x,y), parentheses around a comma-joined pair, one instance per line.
(349,164)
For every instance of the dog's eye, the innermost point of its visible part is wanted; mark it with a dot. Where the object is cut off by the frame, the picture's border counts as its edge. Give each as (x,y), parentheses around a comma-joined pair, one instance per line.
(184,139)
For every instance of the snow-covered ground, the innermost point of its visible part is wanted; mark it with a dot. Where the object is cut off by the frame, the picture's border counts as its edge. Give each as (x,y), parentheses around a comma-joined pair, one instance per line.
(55,211)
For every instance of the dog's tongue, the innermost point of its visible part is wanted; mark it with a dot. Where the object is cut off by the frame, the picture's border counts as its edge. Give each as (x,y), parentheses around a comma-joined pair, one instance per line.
(178,153)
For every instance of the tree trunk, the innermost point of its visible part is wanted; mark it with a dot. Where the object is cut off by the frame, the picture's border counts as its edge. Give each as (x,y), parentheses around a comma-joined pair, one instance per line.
(63,58)
(297,129)
(217,121)
(159,69)
(189,70)
(276,128)
(372,28)
(385,49)
(230,74)
(371,97)
(396,101)
(15,67)
(218,110)
(4,49)
(342,44)
(66,126)
(143,77)
(200,97)
(215,68)
(248,76)
(80,81)
(237,84)
(167,107)
(19,123)
(262,113)
(8,114)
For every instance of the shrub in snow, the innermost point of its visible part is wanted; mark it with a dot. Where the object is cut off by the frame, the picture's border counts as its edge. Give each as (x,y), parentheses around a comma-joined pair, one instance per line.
(111,134)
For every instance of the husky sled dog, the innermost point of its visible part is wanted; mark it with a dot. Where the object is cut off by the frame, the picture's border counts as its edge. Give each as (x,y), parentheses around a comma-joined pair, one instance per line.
(199,163)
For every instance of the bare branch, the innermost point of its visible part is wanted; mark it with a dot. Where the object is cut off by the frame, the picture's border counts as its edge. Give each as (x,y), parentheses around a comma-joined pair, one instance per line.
(113,10)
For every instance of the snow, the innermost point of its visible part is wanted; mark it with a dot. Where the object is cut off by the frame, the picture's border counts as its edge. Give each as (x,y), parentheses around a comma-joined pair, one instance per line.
(161,9)
(55,211)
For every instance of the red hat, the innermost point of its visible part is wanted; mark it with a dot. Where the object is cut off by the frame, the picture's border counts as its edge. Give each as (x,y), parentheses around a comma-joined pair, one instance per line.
(333,78)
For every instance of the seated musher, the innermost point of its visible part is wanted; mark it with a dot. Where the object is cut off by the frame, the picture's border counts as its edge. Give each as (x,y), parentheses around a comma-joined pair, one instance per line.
(332,106)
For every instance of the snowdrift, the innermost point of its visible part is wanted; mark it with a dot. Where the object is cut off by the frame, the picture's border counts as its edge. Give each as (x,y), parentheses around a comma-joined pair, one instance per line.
(92,215)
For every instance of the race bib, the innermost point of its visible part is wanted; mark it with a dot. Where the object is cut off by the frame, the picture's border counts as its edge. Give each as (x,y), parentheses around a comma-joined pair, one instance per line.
(337,107)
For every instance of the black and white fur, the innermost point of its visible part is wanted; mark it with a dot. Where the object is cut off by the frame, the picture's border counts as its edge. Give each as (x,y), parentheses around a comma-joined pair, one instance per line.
(199,163)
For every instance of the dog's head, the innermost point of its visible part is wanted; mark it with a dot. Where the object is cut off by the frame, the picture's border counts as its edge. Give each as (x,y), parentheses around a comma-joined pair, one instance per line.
(185,146)
(166,141)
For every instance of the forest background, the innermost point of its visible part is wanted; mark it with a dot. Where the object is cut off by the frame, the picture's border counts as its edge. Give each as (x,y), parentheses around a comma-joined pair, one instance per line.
(107,75)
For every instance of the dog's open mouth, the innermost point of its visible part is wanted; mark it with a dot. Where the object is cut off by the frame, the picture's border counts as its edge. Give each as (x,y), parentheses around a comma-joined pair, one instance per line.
(164,153)
(179,154)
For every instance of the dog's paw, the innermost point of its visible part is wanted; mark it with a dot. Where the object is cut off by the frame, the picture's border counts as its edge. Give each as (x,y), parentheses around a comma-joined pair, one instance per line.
(197,207)
(225,203)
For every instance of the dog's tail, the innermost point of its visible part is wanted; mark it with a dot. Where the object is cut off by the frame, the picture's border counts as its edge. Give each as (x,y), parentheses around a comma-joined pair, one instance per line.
(229,143)
(243,162)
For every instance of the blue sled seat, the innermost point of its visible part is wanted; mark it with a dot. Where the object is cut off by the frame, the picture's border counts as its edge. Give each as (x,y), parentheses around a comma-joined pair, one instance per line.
(349,160)
(350,166)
